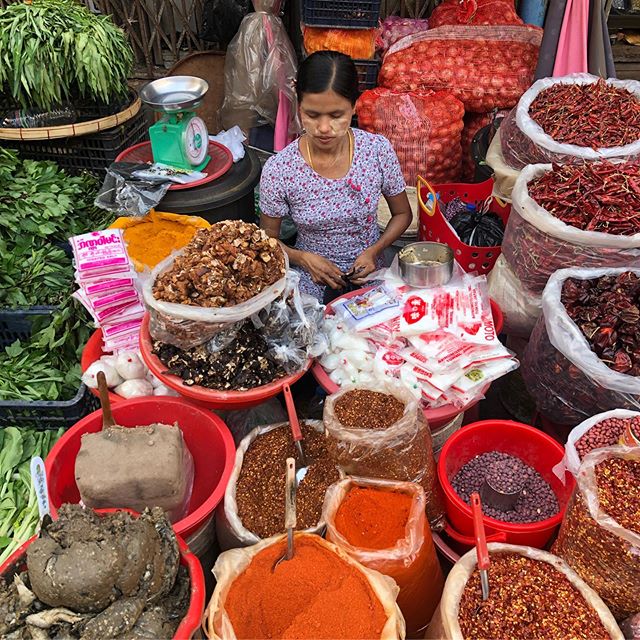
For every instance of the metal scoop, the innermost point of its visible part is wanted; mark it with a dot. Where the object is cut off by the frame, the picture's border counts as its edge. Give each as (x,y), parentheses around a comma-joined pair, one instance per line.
(289,511)
(296,432)
(482,552)
(496,497)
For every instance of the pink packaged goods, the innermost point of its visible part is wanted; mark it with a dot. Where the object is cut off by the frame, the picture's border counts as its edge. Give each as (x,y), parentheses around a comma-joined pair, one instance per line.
(99,252)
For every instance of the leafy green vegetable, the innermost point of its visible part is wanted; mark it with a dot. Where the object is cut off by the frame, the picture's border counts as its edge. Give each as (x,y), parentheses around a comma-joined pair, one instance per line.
(52,51)
(18,505)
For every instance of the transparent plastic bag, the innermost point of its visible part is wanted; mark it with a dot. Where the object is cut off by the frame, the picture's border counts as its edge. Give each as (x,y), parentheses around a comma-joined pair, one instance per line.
(524,141)
(445,626)
(595,546)
(231,564)
(186,326)
(402,451)
(486,68)
(412,562)
(564,376)
(504,176)
(242,421)
(536,243)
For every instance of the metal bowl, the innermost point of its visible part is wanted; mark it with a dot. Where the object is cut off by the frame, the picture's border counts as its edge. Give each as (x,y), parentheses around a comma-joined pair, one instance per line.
(426,264)
(175,93)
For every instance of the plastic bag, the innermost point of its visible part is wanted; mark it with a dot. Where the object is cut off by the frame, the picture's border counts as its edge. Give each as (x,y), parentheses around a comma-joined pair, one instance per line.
(565,377)
(520,309)
(402,451)
(595,546)
(445,626)
(232,564)
(242,421)
(233,140)
(186,326)
(395,28)
(359,44)
(536,243)
(504,176)
(478,229)
(221,20)
(473,122)
(474,12)
(424,128)
(524,141)
(484,67)
(412,562)
(230,531)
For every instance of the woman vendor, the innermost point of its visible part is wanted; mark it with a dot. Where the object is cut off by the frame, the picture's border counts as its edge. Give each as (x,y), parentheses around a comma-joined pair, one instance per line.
(330,181)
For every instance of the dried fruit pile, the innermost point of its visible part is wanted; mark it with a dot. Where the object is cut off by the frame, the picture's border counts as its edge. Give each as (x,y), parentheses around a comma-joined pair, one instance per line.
(605,434)
(596,115)
(607,311)
(222,266)
(597,196)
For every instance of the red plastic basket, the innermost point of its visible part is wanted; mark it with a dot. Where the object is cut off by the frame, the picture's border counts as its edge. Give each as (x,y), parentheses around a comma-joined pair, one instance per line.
(433,226)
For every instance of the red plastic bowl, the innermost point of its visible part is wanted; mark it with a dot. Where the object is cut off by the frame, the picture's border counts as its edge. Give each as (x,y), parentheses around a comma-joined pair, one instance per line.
(93,351)
(210,398)
(529,444)
(190,623)
(435,417)
(205,434)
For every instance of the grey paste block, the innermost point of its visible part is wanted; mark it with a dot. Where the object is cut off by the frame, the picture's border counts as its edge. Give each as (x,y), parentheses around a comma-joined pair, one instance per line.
(139,467)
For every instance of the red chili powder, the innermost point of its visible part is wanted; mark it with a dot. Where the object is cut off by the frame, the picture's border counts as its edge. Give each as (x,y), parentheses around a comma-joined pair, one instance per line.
(315,595)
(371,518)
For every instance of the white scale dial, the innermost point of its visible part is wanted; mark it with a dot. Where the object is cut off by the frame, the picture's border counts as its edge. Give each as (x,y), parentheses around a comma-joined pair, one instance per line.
(196,140)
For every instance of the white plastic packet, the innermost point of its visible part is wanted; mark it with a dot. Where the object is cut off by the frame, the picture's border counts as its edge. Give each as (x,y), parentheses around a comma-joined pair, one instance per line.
(162,172)
(232,139)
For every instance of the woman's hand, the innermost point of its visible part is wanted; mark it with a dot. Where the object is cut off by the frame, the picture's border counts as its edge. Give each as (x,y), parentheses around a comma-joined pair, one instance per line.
(364,265)
(322,271)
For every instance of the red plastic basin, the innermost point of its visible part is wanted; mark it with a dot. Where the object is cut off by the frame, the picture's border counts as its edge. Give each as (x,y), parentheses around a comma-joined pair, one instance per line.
(435,417)
(210,398)
(205,434)
(190,623)
(529,444)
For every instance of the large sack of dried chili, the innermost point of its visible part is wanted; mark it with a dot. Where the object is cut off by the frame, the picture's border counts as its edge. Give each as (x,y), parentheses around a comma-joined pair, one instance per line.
(581,358)
(557,601)
(572,215)
(424,128)
(484,67)
(571,119)
(600,534)
(360,44)
(476,12)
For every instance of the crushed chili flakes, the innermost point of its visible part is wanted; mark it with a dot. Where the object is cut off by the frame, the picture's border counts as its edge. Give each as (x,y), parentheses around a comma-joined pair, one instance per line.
(619,491)
(527,599)
(362,409)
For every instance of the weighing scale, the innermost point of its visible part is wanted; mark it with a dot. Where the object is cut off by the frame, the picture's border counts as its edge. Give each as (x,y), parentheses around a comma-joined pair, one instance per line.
(180,138)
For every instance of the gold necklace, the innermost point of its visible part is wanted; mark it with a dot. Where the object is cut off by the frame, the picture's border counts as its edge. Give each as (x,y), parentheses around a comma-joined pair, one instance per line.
(336,158)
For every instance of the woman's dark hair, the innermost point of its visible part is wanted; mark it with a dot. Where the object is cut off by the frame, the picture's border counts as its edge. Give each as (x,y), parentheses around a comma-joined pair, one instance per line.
(328,71)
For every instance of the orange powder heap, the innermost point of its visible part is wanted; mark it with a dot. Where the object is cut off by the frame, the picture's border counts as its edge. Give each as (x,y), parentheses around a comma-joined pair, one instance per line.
(315,595)
(371,518)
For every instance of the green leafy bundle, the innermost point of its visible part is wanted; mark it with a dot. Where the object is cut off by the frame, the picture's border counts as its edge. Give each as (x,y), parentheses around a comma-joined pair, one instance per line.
(53,51)
(18,504)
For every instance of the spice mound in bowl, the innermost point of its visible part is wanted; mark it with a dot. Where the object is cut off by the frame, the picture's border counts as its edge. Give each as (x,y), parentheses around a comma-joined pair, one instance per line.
(605,434)
(619,491)
(607,311)
(261,485)
(316,594)
(362,409)
(527,599)
(225,265)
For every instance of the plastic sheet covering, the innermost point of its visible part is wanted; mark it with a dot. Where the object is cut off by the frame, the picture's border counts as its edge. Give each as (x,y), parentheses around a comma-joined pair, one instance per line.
(445,626)
(536,243)
(476,12)
(595,546)
(359,44)
(260,67)
(402,451)
(564,376)
(504,176)
(525,142)
(412,562)
(231,564)
(485,67)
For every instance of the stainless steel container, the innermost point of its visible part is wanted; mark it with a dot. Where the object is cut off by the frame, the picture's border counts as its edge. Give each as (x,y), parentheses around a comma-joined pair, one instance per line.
(426,264)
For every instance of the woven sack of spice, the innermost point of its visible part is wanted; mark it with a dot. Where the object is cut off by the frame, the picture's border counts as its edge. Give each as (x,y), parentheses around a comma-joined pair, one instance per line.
(600,534)
(477,12)
(359,44)
(537,243)
(322,592)
(398,509)
(486,68)
(504,176)
(424,128)
(446,624)
(401,451)
(524,141)
(520,308)
(565,377)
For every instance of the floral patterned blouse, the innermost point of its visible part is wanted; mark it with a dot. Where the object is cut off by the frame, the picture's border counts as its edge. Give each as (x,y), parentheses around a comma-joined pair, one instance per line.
(336,218)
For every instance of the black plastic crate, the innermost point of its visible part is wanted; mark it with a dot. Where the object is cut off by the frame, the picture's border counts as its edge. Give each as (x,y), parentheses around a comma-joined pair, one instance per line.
(367,73)
(93,152)
(48,414)
(342,14)
(16,324)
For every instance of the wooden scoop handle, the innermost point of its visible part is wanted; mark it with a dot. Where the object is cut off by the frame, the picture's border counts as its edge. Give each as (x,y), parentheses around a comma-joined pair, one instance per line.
(107,416)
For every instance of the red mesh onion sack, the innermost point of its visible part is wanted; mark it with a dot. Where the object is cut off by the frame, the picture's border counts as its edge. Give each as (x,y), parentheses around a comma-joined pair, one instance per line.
(424,128)
(476,12)
(484,67)
(395,28)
